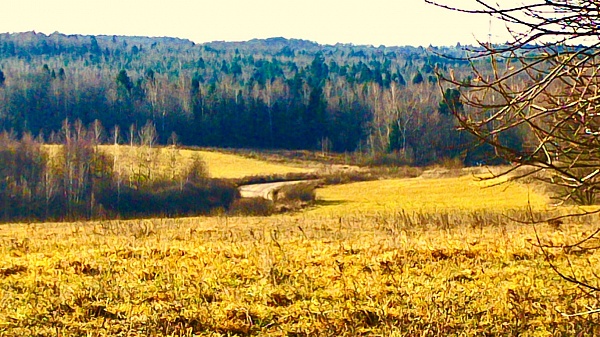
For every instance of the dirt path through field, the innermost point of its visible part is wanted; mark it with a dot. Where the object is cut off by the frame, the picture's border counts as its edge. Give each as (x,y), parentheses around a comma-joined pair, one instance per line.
(268,190)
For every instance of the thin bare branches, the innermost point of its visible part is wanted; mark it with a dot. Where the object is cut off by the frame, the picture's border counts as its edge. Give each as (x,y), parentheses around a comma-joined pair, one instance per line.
(545,86)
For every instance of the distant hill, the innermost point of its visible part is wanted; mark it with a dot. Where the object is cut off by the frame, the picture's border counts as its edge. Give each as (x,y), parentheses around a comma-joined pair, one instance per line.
(263,93)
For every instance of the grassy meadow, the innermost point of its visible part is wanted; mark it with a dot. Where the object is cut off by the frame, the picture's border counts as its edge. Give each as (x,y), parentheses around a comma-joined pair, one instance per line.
(402,257)
(459,194)
(220,165)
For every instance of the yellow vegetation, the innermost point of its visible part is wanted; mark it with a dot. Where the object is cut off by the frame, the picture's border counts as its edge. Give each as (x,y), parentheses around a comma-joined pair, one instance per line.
(409,257)
(429,195)
(220,165)
(284,276)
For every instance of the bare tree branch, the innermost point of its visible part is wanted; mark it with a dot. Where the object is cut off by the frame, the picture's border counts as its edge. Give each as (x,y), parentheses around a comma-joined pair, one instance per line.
(544,84)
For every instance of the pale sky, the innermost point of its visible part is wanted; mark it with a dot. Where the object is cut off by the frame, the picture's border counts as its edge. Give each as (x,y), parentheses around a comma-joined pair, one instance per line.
(371,22)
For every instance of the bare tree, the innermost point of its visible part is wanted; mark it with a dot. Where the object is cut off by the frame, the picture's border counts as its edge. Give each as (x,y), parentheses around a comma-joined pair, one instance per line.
(174,159)
(97,133)
(147,154)
(543,84)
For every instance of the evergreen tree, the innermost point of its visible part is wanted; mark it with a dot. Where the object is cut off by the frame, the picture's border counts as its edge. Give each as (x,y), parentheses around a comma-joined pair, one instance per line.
(315,118)
(94,47)
(149,74)
(318,71)
(124,80)
(394,136)
(451,102)
(418,78)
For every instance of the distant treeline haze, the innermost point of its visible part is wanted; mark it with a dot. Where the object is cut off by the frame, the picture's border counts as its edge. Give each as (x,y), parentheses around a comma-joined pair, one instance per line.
(274,93)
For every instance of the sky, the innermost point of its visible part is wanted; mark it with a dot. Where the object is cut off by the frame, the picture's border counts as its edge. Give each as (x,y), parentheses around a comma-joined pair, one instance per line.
(367,22)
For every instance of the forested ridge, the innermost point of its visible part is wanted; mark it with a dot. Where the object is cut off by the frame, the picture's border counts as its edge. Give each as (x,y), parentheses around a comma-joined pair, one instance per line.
(274,93)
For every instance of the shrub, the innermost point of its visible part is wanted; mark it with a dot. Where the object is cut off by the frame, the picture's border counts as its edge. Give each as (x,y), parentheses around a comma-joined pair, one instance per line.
(23,183)
(252,207)
(169,200)
(452,163)
(222,193)
(77,182)
(338,178)
(197,171)
(274,178)
(304,192)
(386,159)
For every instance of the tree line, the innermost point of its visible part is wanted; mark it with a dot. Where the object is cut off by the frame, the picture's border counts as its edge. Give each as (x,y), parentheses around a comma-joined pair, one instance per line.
(274,93)
(80,180)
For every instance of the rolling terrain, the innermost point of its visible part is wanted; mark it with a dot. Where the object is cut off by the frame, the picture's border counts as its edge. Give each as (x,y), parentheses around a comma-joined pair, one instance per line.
(219,164)
(401,257)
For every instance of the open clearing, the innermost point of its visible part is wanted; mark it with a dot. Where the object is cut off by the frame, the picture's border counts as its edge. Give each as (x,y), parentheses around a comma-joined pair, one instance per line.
(220,165)
(427,195)
(404,257)
(166,159)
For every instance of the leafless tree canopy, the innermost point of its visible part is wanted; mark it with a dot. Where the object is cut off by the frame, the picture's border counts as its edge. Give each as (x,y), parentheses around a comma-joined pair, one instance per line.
(535,21)
(544,84)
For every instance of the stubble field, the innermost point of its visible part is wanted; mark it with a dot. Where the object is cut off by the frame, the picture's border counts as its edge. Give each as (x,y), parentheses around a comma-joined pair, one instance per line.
(404,257)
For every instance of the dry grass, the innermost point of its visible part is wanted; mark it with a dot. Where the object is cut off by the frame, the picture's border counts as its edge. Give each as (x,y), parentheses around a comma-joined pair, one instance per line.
(285,276)
(164,160)
(429,195)
(220,165)
(405,257)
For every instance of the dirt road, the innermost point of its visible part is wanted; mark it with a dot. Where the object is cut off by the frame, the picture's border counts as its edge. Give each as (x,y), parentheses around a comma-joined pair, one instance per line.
(269,190)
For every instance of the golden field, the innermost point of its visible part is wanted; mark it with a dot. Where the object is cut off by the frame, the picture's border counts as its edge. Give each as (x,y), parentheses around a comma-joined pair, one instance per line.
(220,165)
(464,193)
(169,161)
(403,257)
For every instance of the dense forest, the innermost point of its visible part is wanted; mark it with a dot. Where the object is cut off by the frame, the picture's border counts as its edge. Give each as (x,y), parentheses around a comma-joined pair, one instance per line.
(274,93)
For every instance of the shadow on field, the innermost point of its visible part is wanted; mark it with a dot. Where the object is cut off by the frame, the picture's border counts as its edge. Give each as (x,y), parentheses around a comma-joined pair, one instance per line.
(329,202)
